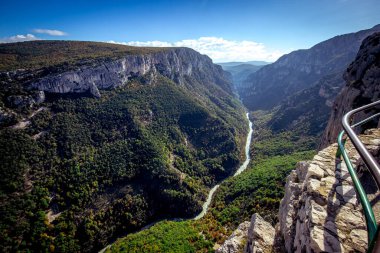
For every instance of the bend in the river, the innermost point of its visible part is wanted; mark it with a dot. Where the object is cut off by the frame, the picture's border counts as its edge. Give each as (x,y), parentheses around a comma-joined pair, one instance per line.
(212,191)
(240,170)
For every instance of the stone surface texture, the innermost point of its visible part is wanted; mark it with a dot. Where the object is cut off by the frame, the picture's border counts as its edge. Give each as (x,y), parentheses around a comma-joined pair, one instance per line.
(236,242)
(320,211)
(261,236)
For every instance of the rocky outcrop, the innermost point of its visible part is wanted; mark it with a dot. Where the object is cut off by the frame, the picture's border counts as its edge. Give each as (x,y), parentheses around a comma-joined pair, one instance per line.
(20,101)
(236,241)
(7,116)
(177,64)
(260,236)
(362,87)
(301,69)
(256,236)
(320,211)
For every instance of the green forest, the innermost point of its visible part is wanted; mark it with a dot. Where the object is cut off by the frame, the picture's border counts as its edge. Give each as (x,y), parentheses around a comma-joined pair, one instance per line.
(259,189)
(88,170)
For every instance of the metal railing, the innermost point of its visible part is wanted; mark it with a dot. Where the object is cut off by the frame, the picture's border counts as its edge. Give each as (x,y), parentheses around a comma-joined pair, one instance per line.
(372,165)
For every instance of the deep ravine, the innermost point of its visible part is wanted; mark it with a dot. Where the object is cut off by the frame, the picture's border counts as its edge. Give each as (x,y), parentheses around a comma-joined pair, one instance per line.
(212,191)
(240,170)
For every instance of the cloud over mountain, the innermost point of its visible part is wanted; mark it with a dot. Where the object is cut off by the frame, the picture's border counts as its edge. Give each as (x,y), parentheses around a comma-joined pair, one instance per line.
(50,32)
(219,49)
(18,38)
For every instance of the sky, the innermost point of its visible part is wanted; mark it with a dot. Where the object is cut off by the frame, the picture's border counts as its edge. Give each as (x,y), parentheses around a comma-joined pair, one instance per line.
(225,30)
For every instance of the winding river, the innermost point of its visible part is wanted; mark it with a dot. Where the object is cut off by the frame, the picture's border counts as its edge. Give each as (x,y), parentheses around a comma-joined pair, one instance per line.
(212,191)
(240,170)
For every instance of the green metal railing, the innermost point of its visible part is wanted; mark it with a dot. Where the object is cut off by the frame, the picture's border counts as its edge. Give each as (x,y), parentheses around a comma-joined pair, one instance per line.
(373,167)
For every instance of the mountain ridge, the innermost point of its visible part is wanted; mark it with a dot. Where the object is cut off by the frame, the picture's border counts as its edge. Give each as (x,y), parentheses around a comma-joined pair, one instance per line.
(300,69)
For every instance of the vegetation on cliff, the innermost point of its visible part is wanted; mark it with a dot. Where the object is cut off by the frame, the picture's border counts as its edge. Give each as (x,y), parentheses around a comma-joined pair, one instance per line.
(259,189)
(86,170)
(45,53)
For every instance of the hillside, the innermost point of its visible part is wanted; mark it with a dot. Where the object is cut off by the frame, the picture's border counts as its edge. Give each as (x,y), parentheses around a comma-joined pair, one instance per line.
(297,93)
(105,139)
(300,70)
(361,87)
(236,63)
(320,210)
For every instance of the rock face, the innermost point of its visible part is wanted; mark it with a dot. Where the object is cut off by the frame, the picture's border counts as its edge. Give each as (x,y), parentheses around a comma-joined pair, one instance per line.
(240,72)
(236,242)
(301,69)
(177,64)
(260,236)
(320,211)
(362,87)
(251,237)
(19,101)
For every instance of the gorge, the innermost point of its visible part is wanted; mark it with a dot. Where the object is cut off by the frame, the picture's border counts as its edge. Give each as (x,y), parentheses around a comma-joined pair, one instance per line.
(133,135)
(239,170)
(106,143)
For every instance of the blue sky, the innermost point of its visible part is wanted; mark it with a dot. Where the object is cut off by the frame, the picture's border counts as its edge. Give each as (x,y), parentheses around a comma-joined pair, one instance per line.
(226,30)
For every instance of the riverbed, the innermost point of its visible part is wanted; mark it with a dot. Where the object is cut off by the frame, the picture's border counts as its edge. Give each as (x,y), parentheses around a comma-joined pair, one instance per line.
(212,191)
(240,170)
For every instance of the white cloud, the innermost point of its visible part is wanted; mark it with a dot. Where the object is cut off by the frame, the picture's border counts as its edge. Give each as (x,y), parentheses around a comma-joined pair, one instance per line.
(50,32)
(218,49)
(18,38)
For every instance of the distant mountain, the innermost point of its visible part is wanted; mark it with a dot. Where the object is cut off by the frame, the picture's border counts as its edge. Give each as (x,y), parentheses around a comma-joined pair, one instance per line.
(240,72)
(232,64)
(308,110)
(300,69)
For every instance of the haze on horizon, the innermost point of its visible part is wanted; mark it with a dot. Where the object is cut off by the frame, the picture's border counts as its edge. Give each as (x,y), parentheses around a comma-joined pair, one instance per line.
(225,30)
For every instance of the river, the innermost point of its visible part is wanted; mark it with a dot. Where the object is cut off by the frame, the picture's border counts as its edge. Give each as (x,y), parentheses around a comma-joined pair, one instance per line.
(240,170)
(212,191)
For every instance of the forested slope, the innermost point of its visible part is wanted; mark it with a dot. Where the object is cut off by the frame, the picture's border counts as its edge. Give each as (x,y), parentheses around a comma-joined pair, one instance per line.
(80,168)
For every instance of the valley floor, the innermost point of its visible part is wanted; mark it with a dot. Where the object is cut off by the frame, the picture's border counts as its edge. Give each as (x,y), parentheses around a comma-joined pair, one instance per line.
(258,189)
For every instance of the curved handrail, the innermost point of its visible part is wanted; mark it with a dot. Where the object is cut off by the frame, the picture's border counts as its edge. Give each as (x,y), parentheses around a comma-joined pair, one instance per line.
(372,165)
(368,159)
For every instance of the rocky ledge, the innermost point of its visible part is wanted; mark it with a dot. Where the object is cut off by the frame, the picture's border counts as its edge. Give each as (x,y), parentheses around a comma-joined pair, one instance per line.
(320,211)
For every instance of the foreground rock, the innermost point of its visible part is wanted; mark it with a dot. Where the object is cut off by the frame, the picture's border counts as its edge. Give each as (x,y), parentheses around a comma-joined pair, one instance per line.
(260,236)
(320,211)
(235,243)
(253,237)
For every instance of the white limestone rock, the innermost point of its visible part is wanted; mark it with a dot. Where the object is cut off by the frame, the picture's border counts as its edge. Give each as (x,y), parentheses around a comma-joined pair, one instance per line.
(261,236)
(236,241)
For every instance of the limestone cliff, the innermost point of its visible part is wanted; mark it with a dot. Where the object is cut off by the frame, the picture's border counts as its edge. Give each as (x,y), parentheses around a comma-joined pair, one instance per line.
(176,64)
(362,87)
